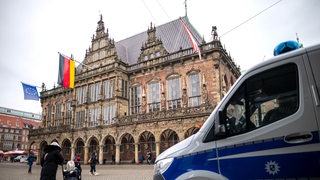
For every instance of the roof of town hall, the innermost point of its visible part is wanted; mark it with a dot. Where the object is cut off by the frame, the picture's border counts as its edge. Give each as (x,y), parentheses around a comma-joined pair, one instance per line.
(172,35)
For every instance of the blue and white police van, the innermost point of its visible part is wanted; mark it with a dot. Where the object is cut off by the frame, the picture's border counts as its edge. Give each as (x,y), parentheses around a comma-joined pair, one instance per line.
(266,127)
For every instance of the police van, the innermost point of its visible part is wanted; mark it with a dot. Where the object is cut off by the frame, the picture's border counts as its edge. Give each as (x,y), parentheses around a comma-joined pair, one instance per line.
(266,127)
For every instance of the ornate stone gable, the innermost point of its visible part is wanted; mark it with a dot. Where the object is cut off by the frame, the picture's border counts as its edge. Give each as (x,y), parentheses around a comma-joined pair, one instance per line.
(153,47)
(102,50)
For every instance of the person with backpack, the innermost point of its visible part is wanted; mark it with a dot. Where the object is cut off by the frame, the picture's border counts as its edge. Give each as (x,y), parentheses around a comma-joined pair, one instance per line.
(93,162)
(149,157)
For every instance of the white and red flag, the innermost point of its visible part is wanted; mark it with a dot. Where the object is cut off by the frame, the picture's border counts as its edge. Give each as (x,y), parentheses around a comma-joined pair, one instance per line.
(192,40)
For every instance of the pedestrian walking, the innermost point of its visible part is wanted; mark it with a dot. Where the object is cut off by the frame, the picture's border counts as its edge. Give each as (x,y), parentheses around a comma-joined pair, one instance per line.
(50,161)
(113,159)
(149,157)
(30,161)
(93,162)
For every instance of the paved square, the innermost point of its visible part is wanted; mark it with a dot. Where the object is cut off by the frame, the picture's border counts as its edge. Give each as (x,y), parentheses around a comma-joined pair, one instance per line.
(17,171)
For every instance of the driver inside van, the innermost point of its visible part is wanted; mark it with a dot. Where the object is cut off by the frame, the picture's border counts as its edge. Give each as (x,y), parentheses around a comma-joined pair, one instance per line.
(236,122)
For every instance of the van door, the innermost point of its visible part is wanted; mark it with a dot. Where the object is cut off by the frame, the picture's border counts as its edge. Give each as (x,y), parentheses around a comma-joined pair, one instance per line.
(312,62)
(271,129)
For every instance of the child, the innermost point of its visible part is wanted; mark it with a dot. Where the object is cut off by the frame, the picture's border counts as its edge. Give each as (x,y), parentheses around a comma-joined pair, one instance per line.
(71,172)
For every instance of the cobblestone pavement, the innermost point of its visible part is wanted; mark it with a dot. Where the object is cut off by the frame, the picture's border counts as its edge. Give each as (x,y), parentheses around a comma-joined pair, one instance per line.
(17,171)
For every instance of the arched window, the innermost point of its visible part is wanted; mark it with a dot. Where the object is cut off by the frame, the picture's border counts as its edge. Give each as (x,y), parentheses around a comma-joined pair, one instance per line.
(135,99)
(174,96)
(154,96)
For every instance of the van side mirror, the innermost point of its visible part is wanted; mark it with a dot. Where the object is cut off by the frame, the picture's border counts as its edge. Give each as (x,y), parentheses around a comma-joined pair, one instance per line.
(220,129)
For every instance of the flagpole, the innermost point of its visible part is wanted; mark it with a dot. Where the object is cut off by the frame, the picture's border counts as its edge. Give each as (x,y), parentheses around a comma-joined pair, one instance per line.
(75,60)
(30,84)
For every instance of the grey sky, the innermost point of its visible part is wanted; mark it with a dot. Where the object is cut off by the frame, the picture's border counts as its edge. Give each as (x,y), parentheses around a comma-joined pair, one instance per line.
(34,31)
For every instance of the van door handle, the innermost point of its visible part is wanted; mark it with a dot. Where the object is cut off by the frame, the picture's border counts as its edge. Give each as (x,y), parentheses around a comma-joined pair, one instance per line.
(298,138)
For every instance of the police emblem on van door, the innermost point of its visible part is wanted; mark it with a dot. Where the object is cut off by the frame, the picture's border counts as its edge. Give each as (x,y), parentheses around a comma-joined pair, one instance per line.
(272,167)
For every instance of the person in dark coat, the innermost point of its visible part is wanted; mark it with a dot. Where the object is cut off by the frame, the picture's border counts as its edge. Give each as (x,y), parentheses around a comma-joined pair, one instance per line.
(93,163)
(77,164)
(50,161)
(30,161)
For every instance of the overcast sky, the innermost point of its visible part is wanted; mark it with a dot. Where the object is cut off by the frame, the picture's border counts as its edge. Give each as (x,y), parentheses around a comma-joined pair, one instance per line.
(32,32)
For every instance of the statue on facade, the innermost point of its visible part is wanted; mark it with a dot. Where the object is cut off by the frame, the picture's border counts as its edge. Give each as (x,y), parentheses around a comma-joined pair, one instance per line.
(43,86)
(204,94)
(184,98)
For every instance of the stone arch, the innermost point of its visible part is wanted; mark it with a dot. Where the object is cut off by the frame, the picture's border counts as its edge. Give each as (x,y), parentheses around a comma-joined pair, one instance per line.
(66,149)
(127,147)
(146,143)
(93,145)
(79,148)
(109,147)
(42,145)
(32,146)
(190,132)
(168,138)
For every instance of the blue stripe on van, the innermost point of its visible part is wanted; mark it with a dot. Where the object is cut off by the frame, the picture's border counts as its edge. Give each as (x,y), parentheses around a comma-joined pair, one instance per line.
(264,166)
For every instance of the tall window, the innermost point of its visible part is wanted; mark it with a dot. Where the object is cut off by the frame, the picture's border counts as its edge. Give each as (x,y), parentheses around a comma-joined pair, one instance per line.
(58,115)
(98,91)
(124,88)
(108,89)
(108,114)
(81,94)
(135,98)
(79,119)
(154,96)
(194,90)
(94,115)
(49,115)
(92,93)
(68,113)
(174,98)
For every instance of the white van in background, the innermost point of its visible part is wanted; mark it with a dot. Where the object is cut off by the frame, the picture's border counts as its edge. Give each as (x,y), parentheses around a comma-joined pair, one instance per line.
(266,127)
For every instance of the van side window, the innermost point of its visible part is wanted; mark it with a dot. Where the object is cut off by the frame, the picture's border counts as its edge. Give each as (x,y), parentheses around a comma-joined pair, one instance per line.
(263,99)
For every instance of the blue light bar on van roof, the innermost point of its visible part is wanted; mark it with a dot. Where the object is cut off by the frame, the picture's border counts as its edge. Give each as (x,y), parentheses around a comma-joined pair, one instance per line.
(285,47)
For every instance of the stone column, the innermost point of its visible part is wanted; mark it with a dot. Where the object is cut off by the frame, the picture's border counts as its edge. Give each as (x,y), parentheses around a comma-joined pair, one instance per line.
(72,152)
(86,155)
(136,153)
(157,148)
(40,154)
(118,153)
(100,154)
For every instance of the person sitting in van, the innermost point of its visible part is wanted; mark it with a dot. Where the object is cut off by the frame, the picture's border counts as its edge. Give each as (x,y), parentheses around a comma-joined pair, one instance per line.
(285,107)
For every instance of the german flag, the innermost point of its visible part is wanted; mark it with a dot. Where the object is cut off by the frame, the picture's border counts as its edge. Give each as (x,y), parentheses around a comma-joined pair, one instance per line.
(66,72)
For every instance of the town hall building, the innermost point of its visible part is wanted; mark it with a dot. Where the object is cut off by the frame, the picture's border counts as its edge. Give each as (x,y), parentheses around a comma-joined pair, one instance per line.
(143,93)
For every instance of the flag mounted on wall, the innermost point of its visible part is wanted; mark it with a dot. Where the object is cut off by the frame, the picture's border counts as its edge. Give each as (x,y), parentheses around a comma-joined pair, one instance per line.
(66,72)
(30,92)
(192,40)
